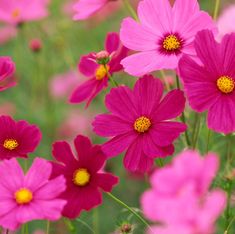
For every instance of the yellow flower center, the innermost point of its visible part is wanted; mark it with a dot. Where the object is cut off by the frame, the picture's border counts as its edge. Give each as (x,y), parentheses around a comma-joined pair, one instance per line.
(10,144)
(23,196)
(142,124)
(81,177)
(225,84)
(15,13)
(101,72)
(171,43)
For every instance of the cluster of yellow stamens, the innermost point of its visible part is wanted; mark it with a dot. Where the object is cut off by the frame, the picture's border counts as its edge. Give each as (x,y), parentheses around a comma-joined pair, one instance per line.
(102,71)
(81,177)
(23,196)
(15,13)
(10,144)
(225,84)
(171,43)
(142,124)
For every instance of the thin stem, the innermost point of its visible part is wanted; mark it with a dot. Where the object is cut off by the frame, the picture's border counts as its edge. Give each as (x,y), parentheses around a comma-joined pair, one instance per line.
(129,208)
(208,140)
(86,225)
(230,224)
(130,9)
(227,211)
(160,162)
(48,227)
(115,84)
(183,119)
(69,225)
(165,81)
(216,10)
(96,221)
(197,130)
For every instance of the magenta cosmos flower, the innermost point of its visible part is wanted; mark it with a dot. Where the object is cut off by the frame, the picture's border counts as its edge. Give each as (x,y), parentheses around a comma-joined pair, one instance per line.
(183,186)
(162,35)
(15,11)
(139,122)
(82,175)
(96,73)
(7,69)
(210,86)
(86,8)
(17,139)
(29,197)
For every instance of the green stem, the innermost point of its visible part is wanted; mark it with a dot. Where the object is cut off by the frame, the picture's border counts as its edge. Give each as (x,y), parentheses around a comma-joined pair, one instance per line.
(48,227)
(183,119)
(216,10)
(165,81)
(196,132)
(208,140)
(85,224)
(130,9)
(160,162)
(96,221)
(227,211)
(69,225)
(129,208)
(230,224)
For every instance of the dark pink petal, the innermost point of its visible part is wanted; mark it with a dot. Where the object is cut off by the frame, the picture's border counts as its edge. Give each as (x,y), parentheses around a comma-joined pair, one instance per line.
(221,116)
(50,190)
(209,52)
(90,157)
(57,169)
(164,133)
(148,91)
(112,42)
(135,160)
(200,85)
(7,68)
(62,152)
(171,106)
(227,48)
(152,150)
(153,13)
(118,144)
(87,66)
(106,181)
(83,92)
(13,179)
(38,174)
(109,125)
(141,38)
(100,85)
(121,102)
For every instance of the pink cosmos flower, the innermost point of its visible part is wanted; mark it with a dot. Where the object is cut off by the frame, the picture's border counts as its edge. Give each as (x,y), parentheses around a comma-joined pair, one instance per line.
(163,34)
(210,86)
(83,178)
(183,186)
(15,11)
(29,197)
(139,123)
(7,69)
(86,8)
(226,21)
(17,139)
(98,73)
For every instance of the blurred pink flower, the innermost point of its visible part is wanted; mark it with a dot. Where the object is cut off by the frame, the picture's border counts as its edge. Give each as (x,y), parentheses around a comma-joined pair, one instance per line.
(183,186)
(62,85)
(86,8)
(15,11)
(76,122)
(7,32)
(226,21)
(7,69)
(7,108)
(35,45)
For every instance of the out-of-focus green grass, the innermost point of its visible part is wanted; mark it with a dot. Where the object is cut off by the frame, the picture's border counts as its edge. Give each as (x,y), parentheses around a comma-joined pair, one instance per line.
(64,41)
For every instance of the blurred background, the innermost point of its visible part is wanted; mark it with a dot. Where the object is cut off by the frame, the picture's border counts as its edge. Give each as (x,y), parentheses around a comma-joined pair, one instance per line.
(46,54)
